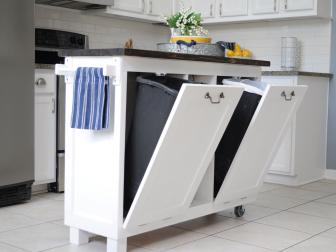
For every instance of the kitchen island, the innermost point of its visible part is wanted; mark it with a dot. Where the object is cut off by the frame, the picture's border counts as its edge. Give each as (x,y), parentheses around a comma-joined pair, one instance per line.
(179,180)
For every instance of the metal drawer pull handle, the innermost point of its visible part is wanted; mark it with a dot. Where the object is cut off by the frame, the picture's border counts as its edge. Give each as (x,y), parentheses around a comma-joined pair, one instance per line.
(40,82)
(289,97)
(208,96)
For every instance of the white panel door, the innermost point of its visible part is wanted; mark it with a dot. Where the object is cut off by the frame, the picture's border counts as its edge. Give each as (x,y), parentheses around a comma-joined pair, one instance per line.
(130,5)
(265,6)
(206,8)
(300,5)
(159,7)
(45,139)
(263,136)
(184,151)
(230,8)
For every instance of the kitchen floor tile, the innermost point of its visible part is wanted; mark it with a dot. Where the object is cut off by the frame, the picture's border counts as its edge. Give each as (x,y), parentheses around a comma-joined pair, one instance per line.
(327,181)
(268,187)
(277,202)
(296,193)
(315,244)
(211,224)
(7,248)
(164,239)
(252,212)
(320,187)
(331,233)
(215,244)
(52,196)
(59,222)
(93,246)
(10,221)
(37,238)
(316,209)
(298,222)
(40,209)
(328,200)
(264,236)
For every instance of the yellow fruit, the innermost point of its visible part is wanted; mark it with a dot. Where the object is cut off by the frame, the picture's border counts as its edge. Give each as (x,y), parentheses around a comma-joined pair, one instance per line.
(246,53)
(229,53)
(237,48)
(238,54)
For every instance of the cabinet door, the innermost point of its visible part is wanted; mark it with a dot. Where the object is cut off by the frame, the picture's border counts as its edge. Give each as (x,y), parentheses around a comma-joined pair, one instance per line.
(206,8)
(265,6)
(45,139)
(130,5)
(299,5)
(230,8)
(159,7)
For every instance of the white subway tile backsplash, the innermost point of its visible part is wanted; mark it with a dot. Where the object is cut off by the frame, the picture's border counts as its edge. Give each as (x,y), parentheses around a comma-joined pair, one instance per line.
(263,38)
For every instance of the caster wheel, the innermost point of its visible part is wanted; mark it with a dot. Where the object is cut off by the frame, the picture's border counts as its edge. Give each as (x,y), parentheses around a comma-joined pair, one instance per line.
(239,211)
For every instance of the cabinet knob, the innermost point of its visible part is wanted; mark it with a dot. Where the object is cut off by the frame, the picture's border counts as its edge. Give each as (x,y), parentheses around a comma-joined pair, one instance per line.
(40,82)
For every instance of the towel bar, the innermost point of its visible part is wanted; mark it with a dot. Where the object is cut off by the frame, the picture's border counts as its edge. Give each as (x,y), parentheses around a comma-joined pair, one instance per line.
(63,69)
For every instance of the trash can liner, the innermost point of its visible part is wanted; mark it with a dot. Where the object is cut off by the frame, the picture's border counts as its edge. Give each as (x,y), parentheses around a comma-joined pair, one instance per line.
(154,101)
(235,131)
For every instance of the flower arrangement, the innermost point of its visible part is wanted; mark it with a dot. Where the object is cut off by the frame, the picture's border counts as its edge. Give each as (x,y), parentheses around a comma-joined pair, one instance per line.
(187,22)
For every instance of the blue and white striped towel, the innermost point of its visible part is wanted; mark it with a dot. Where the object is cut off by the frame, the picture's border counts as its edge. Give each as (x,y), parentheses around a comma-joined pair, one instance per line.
(91,99)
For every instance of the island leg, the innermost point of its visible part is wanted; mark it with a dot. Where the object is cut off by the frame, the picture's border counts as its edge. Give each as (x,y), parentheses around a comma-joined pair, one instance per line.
(116,245)
(79,237)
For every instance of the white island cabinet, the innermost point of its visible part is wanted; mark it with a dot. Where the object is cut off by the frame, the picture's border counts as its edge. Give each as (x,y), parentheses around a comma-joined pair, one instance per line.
(301,157)
(178,184)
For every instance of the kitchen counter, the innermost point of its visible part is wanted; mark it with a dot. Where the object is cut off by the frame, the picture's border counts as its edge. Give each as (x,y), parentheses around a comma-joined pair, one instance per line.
(296,73)
(161,55)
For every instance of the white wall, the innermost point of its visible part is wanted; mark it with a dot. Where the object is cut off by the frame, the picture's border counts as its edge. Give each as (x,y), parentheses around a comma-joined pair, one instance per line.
(103,32)
(264,39)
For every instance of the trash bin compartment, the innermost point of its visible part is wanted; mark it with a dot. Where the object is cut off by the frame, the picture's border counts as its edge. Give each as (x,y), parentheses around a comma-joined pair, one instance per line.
(154,100)
(233,136)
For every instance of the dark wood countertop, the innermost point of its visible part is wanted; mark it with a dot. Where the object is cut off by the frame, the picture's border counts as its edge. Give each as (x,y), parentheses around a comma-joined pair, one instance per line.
(297,73)
(161,55)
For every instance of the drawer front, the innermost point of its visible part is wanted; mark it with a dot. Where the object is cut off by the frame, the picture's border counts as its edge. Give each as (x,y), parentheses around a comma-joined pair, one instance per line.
(45,81)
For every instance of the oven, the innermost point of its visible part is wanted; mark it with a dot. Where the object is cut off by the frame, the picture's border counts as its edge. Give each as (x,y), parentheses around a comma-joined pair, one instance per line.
(47,44)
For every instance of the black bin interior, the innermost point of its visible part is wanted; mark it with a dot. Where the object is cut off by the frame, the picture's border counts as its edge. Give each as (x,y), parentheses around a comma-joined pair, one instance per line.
(155,97)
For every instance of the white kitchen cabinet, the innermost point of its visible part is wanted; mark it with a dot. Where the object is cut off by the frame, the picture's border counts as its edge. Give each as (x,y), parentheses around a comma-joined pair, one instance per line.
(229,8)
(129,5)
(45,126)
(301,157)
(140,10)
(159,7)
(206,8)
(299,5)
(265,6)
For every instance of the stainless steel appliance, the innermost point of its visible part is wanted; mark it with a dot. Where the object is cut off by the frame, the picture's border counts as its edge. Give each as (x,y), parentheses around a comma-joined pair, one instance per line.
(48,42)
(16,100)
(78,5)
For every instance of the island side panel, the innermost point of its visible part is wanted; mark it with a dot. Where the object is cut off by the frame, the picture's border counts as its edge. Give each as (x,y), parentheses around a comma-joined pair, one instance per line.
(95,161)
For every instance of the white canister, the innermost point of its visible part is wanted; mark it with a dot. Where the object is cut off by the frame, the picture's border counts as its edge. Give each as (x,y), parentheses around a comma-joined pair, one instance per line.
(289,53)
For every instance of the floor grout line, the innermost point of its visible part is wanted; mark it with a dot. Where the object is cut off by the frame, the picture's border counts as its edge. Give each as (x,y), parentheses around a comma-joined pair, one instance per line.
(307,239)
(13,246)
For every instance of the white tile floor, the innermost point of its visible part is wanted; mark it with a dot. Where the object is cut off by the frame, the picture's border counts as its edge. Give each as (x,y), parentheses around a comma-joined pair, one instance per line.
(282,219)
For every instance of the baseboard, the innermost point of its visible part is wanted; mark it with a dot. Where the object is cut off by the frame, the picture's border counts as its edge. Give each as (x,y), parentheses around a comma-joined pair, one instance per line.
(330,174)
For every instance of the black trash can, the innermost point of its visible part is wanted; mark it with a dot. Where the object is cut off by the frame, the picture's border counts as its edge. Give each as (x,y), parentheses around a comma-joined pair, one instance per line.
(233,136)
(154,100)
